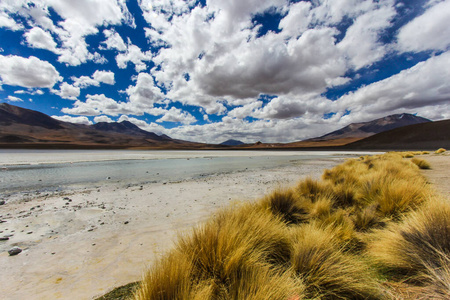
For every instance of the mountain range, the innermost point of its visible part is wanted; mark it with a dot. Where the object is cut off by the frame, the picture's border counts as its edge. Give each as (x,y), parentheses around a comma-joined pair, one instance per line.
(366,129)
(24,128)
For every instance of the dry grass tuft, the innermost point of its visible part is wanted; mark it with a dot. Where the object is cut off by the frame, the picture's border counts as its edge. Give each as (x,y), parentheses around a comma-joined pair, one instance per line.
(169,278)
(421,163)
(400,196)
(327,271)
(312,189)
(234,240)
(322,208)
(440,150)
(367,218)
(438,280)
(419,246)
(285,204)
(408,155)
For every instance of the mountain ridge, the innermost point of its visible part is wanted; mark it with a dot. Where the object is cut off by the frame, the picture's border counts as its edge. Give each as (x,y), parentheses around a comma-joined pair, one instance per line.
(128,128)
(21,127)
(369,128)
(232,142)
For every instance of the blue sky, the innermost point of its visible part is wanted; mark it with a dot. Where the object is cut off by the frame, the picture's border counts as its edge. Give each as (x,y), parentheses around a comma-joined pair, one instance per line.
(210,70)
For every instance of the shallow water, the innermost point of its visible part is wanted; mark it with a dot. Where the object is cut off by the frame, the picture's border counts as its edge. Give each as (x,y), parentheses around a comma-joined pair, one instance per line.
(53,170)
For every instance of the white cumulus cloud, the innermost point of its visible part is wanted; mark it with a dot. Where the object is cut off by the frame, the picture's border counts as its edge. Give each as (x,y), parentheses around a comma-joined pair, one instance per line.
(76,120)
(106,119)
(67,91)
(411,90)
(39,38)
(27,72)
(177,115)
(14,99)
(430,31)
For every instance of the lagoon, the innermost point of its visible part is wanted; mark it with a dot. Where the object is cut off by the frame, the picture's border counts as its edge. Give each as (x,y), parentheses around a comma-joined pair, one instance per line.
(56,170)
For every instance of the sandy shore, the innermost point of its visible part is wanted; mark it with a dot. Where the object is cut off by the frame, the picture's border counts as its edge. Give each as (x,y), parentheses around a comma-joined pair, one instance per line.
(439,174)
(82,244)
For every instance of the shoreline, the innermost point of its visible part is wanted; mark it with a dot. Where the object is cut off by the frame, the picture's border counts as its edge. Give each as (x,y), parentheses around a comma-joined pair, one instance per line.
(82,244)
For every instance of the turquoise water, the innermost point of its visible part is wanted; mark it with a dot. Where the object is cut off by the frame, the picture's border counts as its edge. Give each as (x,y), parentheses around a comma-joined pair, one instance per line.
(150,167)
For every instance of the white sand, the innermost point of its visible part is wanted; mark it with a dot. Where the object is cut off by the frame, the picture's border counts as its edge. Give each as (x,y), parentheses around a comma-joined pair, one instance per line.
(82,248)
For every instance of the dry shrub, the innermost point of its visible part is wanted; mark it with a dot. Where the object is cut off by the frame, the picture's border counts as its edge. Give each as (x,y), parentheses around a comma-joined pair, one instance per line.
(328,272)
(421,163)
(438,280)
(400,196)
(285,204)
(367,219)
(241,246)
(321,208)
(347,173)
(260,283)
(312,189)
(420,244)
(408,155)
(169,278)
(234,240)
(344,195)
(440,150)
(343,229)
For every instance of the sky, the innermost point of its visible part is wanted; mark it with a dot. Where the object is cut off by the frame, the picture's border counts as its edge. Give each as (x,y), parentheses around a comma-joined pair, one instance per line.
(212,70)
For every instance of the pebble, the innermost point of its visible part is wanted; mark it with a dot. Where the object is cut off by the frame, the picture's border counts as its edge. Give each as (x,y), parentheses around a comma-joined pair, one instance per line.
(14,251)
(4,238)
(2,202)
(126,222)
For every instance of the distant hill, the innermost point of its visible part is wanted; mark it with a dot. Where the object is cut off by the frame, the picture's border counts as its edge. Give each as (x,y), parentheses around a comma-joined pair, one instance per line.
(126,127)
(424,136)
(10,114)
(25,128)
(232,143)
(366,129)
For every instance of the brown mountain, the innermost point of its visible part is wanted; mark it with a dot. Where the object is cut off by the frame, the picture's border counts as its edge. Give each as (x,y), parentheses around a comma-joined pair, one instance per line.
(126,127)
(358,131)
(424,136)
(24,128)
(366,129)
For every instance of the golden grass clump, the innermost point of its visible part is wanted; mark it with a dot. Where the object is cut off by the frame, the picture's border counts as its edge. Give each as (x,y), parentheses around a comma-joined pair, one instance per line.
(222,257)
(235,239)
(169,278)
(327,271)
(400,196)
(419,246)
(421,163)
(312,189)
(367,218)
(318,240)
(440,150)
(285,204)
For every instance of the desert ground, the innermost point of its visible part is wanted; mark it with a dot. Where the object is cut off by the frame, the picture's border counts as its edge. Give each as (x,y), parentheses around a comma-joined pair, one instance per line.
(82,244)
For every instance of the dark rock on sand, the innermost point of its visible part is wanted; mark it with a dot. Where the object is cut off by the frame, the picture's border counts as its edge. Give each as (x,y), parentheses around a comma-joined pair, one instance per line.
(14,251)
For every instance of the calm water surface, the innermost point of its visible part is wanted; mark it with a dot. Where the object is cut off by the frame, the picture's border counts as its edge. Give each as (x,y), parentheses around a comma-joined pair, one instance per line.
(40,170)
